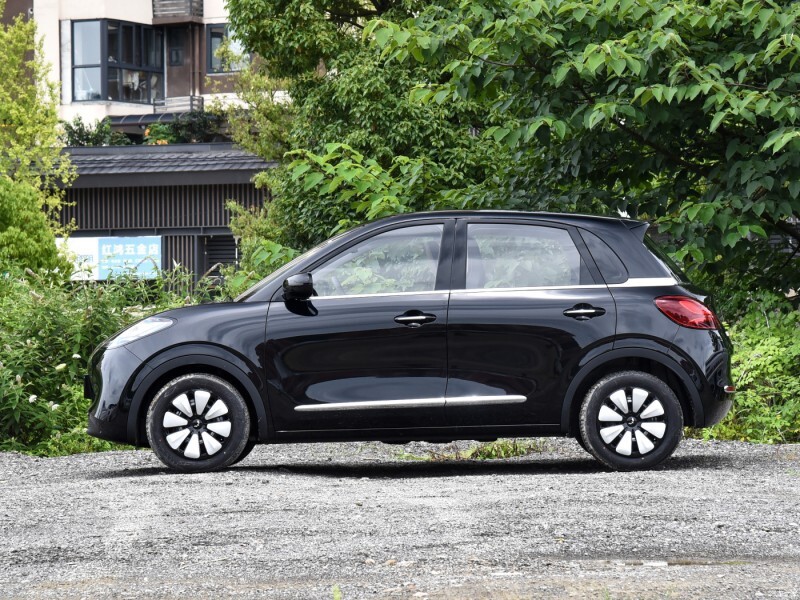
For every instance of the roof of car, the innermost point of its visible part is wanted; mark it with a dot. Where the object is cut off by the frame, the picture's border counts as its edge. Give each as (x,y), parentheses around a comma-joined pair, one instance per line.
(574,218)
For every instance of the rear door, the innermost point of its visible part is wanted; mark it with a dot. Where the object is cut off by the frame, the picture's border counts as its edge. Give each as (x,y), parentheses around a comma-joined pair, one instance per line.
(528,307)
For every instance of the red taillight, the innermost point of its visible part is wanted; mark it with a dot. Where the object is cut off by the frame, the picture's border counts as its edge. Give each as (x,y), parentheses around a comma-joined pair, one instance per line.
(687,312)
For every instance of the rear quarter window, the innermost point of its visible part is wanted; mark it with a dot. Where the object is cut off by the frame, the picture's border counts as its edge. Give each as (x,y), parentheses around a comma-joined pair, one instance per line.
(611,266)
(669,266)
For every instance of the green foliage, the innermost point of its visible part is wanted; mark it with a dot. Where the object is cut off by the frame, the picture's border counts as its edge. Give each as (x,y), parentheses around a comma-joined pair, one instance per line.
(506,449)
(79,134)
(26,238)
(30,150)
(682,111)
(193,127)
(496,450)
(360,148)
(766,372)
(48,328)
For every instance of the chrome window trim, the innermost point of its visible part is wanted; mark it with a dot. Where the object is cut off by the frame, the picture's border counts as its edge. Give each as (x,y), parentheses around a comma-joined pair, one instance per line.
(413,403)
(443,293)
(637,282)
(633,282)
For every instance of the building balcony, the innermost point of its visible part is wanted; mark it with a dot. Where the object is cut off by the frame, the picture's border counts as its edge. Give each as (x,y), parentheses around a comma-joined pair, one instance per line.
(167,12)
(177,104)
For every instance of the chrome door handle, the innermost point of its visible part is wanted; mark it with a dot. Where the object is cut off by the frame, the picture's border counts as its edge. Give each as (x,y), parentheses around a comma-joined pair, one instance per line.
(584,312)
(414,318)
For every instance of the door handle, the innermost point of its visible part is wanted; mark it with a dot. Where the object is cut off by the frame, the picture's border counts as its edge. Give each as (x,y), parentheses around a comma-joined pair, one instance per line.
(584,312)
(414,318)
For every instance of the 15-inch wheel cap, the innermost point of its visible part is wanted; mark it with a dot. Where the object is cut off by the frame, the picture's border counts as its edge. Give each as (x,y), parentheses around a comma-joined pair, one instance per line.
(196,425)
(631,421)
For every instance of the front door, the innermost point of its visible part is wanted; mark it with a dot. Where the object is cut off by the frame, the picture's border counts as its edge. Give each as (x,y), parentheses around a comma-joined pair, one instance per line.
(532,307)
(369,350)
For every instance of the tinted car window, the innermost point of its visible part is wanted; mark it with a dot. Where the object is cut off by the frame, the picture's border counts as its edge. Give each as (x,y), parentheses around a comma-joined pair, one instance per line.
(400,260)
(510,256)
(670,266)
(608,262)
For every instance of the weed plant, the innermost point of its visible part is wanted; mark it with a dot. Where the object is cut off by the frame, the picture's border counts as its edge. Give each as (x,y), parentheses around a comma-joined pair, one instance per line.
(48,329)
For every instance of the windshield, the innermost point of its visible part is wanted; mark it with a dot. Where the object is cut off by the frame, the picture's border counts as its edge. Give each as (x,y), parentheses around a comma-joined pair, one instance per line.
(282,271)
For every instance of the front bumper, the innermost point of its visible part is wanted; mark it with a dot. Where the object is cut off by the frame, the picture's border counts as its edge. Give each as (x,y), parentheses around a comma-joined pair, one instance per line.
(111,372)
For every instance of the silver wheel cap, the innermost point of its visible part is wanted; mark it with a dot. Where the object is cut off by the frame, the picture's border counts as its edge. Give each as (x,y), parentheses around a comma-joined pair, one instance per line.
(631,421)
(196,434)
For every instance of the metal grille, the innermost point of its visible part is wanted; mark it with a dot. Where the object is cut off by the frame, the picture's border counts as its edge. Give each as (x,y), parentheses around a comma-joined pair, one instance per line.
(178,249)
(168,207)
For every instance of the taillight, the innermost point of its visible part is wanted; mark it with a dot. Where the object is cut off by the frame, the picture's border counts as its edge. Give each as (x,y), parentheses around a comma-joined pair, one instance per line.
(687,312)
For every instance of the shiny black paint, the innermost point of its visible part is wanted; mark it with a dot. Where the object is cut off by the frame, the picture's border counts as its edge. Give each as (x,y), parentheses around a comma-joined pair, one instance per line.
(281,354)
(350,349)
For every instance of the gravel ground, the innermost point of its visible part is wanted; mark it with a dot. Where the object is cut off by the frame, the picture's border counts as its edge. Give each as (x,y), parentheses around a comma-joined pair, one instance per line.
(718,520)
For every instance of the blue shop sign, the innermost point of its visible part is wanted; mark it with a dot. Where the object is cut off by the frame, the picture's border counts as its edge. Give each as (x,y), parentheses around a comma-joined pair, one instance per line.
(119,255)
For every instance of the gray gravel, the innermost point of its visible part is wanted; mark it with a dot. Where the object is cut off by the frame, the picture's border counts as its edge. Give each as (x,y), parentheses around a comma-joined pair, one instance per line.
(719,520)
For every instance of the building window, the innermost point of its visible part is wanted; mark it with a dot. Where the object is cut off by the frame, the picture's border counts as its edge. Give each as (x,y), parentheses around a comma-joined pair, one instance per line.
(116,60)
(215,36)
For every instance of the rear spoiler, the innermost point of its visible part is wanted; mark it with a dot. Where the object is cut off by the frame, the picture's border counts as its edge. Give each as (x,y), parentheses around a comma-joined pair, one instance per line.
(637,227)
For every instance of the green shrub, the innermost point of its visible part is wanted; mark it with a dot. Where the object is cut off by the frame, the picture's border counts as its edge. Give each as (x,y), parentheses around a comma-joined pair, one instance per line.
(766,372)
(48,328)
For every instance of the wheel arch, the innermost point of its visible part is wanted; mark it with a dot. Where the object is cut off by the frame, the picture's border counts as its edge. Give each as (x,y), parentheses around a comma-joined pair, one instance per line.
(198,359)
(631,359)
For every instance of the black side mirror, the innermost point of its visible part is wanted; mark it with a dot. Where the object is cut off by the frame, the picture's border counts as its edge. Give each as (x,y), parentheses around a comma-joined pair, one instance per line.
(298,287)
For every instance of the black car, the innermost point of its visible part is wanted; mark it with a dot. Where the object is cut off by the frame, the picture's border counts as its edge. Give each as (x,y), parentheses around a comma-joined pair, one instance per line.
(431,326)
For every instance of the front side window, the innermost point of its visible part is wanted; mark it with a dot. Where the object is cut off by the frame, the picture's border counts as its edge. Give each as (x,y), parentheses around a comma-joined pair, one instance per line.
(400,260)
(119,61)
(519,256)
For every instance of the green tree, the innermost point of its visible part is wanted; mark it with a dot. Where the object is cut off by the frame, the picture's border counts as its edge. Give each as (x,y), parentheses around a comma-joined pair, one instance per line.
(30,149)
(359,146)
(682,111)
(25,238)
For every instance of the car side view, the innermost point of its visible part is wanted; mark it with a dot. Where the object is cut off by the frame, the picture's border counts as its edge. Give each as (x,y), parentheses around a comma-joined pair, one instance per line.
(431,326)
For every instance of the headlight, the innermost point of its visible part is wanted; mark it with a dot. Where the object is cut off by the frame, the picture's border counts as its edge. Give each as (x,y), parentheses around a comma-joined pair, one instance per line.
(139,330)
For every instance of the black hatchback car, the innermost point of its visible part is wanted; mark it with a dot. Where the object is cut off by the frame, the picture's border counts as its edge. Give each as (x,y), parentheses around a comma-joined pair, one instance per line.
(434,326)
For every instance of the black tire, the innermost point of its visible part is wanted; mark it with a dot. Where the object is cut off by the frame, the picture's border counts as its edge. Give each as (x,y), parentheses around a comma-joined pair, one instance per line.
(631,421)
(198,423)
(248,448)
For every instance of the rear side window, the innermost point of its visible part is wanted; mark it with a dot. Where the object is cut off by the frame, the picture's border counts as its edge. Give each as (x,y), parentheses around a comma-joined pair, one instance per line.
(519,256)
(611,267)
(670,266)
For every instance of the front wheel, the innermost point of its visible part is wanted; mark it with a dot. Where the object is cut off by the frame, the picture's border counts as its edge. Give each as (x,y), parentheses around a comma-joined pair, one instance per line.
(631,421)
(198,423)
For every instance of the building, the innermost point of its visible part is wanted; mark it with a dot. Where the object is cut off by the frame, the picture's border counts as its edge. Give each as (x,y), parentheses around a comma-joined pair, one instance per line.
(136,63)
(135,58)
(172,196)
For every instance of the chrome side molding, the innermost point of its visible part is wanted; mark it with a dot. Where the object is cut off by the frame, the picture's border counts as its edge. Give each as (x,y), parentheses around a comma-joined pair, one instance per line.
(412,403)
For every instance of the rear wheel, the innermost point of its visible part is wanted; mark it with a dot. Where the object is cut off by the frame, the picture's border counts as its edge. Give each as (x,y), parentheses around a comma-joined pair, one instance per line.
(631,420)
(198,423)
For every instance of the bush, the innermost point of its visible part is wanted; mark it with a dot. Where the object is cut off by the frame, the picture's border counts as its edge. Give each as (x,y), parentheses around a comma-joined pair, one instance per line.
(48,329)
(766,372)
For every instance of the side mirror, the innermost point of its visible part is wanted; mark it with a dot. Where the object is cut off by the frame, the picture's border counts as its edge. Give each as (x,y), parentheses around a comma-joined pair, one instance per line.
(298,287)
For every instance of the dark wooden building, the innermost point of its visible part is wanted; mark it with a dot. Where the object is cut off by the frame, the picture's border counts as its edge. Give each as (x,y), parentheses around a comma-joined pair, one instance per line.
(176,192)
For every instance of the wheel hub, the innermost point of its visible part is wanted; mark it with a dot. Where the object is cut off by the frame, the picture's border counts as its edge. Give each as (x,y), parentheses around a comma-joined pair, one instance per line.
(632,421)
(198,428)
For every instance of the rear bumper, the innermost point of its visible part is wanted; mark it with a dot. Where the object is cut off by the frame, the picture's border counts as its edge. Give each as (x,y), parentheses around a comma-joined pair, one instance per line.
(705,355)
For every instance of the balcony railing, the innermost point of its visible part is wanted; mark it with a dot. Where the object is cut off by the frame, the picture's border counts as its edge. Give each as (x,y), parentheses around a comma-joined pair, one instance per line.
(178,104)
(177,9)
